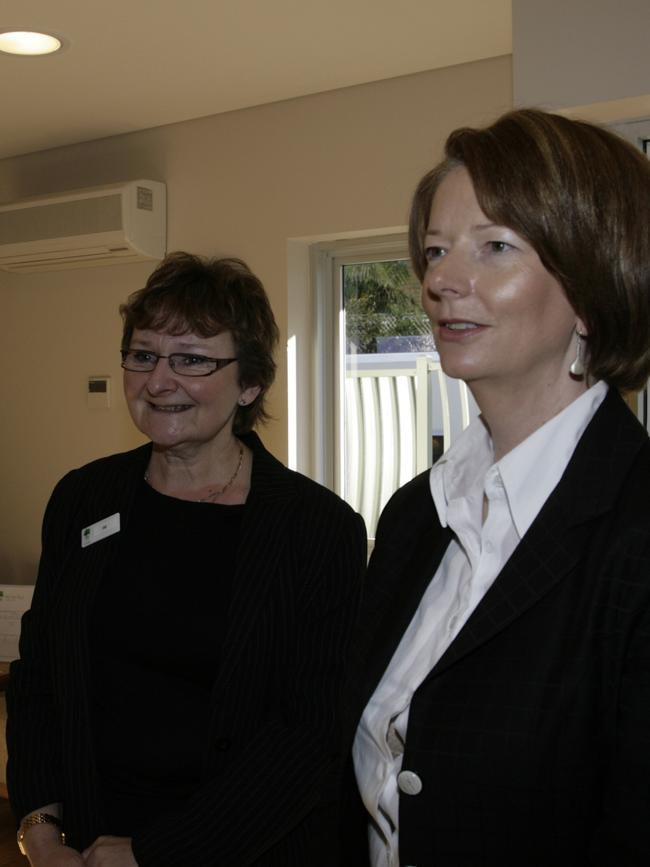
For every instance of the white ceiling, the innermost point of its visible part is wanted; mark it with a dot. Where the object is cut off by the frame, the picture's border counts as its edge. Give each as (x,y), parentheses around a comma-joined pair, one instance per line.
(134,64)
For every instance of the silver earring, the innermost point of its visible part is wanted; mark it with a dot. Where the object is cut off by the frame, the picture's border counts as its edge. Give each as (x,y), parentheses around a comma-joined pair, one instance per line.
(577,365)
(241,401)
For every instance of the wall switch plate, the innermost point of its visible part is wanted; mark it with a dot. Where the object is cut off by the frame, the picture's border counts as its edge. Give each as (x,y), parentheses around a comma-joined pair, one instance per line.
(99,392)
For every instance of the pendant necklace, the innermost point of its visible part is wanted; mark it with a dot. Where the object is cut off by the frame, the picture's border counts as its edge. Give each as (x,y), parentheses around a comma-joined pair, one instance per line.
(218,491)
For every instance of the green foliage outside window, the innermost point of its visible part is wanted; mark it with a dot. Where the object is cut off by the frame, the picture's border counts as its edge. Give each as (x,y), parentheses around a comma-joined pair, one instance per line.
(382,300)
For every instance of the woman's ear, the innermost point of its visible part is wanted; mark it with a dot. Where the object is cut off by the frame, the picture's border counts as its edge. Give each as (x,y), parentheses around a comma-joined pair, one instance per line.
(249,394)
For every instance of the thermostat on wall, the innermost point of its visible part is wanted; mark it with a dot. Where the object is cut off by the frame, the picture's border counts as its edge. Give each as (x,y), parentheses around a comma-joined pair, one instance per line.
(99,392)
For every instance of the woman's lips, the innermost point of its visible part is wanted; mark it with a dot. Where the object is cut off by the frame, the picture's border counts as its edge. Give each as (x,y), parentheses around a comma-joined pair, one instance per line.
(176,407)
(458,329)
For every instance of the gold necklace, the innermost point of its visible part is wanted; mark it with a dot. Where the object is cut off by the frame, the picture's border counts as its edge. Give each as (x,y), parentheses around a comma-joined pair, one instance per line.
(218,492)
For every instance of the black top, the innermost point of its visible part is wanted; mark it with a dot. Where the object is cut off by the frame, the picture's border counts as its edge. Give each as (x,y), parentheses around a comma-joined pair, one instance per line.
(156,632)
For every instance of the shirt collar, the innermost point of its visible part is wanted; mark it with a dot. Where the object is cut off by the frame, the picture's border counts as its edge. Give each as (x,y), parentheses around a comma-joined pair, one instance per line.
(461,468)
(532,470)
(461,471)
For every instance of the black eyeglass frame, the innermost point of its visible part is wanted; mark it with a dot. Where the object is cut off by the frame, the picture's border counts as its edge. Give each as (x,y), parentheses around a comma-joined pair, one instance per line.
(219,363)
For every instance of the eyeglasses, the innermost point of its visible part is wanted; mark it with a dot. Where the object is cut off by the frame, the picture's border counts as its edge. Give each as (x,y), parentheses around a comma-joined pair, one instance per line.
(183,363)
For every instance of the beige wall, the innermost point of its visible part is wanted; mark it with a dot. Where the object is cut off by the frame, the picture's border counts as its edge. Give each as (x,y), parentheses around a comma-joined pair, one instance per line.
(589,56)
(240,183)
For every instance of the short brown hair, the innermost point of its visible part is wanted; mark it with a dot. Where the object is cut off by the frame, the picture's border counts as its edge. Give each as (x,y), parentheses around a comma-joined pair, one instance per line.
(209,296)
(579,195)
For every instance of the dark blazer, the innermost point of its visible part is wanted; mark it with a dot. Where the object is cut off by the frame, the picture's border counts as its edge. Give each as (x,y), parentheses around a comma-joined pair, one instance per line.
(531,735)
(275,745)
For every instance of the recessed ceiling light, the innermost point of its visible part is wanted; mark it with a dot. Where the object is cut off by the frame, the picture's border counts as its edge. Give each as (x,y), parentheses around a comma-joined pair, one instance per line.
(28,43)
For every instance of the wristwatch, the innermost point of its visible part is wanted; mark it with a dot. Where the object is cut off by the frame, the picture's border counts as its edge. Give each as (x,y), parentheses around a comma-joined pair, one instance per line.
(37,819)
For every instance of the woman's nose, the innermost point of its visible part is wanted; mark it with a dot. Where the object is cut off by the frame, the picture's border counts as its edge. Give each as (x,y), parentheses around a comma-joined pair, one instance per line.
(161,378)
(450,275)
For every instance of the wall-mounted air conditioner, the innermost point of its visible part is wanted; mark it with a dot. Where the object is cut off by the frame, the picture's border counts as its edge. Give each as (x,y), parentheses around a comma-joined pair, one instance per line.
(97,226)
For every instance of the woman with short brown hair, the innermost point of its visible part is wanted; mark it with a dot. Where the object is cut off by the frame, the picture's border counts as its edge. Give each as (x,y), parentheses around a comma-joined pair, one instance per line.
(176,700)
(578,194)
(501,682)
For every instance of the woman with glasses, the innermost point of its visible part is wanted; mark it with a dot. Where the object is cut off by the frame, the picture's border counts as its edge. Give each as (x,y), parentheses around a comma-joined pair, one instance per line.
(177,697)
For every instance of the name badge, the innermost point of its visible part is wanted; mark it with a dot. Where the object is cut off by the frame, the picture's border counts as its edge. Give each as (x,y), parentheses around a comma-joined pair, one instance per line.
(100,530)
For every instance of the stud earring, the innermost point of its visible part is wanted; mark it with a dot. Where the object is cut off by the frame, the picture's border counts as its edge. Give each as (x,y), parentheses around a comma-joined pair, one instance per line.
(242,401)
(577,367)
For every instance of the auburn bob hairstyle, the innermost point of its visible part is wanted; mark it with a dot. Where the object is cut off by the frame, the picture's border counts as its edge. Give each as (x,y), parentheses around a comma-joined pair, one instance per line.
(579,195)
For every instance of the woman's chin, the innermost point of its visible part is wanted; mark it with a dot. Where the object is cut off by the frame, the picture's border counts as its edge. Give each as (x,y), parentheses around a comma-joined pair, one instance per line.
(165,438)
(459,369)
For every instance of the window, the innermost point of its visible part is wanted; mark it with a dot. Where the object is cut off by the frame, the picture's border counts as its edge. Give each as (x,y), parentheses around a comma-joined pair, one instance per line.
(382,409)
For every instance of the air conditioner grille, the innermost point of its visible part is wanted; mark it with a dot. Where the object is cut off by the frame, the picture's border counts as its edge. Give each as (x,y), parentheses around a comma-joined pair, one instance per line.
(61,219)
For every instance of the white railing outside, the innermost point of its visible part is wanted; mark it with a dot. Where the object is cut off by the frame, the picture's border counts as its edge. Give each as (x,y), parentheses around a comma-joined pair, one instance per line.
(395,404)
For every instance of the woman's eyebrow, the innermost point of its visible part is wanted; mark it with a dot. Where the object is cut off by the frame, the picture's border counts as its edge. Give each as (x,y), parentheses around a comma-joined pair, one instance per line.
(477,227)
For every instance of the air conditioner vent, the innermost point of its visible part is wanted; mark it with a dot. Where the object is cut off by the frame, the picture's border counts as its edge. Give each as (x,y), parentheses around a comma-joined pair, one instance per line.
(97,226)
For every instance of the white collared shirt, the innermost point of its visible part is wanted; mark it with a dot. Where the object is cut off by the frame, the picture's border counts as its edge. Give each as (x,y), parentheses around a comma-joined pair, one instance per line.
(515,490)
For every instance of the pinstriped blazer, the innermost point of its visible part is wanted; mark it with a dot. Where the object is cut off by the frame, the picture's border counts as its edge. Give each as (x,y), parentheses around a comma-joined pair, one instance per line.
(275,746)
(531,735)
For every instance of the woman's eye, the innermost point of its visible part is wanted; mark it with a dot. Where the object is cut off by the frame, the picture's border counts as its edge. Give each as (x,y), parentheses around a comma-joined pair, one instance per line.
(143,357)
(499,246)
(192,360)
(431,253)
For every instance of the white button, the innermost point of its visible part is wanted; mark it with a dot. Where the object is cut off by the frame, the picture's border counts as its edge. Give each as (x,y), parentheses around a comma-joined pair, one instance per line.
(409,783)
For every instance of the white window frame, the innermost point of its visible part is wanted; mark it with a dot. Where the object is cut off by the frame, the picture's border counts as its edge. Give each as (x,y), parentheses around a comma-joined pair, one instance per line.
(314,348)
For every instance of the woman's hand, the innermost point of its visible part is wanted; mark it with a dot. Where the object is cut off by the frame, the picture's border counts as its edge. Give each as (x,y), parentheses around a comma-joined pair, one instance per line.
(43,845)
(57,856)
(110,852)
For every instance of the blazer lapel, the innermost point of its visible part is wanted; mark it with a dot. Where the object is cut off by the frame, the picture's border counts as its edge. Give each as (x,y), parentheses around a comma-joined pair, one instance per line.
(264,536)
(557,539)
(110,490)
(541,560)
(402,565)
(109,487)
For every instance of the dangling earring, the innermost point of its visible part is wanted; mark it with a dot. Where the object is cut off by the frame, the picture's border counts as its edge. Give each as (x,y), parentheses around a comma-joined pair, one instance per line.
(577,365)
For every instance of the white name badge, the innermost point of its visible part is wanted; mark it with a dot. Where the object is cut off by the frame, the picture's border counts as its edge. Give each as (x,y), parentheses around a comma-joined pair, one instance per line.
(100,530)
